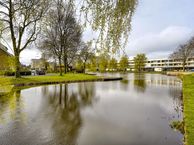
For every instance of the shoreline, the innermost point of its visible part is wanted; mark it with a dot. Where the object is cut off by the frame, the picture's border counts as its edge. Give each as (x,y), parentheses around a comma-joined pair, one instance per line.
(7,84)
(188,108)
(105,79)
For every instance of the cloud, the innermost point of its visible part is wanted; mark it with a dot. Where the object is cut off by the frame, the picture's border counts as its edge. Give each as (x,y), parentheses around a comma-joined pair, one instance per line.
(163,42)
(158,27)
(29,54)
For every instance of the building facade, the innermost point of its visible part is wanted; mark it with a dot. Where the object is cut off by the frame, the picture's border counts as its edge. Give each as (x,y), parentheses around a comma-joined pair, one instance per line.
(42,64)
(6,59)
(37,64)
(165,65)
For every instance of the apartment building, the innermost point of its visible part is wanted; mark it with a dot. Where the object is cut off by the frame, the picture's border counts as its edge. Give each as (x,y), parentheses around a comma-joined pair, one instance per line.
(165,64)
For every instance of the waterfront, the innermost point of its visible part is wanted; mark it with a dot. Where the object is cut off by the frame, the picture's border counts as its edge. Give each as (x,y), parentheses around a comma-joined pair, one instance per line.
(136,110)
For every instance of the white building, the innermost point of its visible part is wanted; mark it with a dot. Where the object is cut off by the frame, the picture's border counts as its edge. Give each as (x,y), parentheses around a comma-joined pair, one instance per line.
(165,64)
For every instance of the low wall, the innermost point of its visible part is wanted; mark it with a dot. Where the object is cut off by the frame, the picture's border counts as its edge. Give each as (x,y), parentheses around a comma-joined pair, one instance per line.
(178,73)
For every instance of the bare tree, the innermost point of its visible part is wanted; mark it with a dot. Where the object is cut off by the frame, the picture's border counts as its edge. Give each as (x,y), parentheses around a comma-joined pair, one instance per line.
(49,41)
(61,35)
(85,53)
(21,18)
(184,52)
(70,32)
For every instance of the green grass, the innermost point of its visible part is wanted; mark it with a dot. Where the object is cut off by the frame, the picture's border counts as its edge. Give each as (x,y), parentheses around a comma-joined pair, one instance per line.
(6,83)
(188,99)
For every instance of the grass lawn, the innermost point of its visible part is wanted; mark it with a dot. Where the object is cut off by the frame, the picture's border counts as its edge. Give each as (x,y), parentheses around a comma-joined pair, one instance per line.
(7,82)
(188,99)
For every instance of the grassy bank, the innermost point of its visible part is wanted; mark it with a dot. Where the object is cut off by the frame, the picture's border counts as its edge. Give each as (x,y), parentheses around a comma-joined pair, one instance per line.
(6,83)
(188,99)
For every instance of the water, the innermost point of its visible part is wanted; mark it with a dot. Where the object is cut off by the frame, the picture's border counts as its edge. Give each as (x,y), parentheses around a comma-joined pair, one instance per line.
(134,111)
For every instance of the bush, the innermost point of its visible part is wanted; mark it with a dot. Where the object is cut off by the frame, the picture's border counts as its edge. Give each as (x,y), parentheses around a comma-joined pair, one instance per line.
(25,73)
(22,73)
(2,73)
(9,73)
(79,70)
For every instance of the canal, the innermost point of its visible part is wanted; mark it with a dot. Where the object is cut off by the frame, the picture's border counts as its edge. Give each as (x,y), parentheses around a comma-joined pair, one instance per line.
(134,111)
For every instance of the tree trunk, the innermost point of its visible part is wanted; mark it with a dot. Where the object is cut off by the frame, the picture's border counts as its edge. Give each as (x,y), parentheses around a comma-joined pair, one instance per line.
(17,66)
(60,94)
(60,67)
(65,64)
(66,95)
(84,71)
(184,66)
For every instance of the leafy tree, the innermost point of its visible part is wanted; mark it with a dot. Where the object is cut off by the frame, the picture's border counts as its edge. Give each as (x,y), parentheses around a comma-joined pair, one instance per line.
(79,65)
(103,62)
(112,18)
(21,18)
(124,62)
(139,62)
(93,64)
(112,64)
(184,52)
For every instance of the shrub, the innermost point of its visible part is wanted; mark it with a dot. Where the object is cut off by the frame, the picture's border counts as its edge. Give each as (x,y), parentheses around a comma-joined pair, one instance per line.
(9,73)
(22,73)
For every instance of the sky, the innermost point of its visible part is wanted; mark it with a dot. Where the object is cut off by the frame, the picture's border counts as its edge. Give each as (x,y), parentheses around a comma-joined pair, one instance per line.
(158,28)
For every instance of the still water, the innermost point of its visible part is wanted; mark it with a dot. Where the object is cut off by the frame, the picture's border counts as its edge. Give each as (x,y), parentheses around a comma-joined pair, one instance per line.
(134,111)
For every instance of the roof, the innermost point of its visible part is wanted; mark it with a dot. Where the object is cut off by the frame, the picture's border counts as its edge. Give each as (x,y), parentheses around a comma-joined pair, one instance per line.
(4,48)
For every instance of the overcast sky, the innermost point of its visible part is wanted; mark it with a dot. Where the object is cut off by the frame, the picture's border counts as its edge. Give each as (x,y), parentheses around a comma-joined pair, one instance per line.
(158,27)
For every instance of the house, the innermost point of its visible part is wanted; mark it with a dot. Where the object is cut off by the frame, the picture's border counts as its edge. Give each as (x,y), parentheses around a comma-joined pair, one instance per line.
(6,59)
(42,64)
(37,64)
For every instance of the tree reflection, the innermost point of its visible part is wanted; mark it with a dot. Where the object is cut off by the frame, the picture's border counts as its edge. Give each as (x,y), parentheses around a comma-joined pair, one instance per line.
(139,82)
(124,83)
(57,115)
(87,93)
(11,107)
(66,106)
(176,93)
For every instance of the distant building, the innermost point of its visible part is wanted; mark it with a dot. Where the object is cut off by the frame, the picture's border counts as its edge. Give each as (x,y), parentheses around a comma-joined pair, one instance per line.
(165,64)
(42,64)
(37,64)
(5,58)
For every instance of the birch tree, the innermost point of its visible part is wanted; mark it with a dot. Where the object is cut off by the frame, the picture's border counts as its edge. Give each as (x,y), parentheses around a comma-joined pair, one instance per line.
(21,18)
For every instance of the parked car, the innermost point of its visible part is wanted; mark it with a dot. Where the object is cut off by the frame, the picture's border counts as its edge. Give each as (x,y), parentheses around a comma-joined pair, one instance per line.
(41,72)
(38,72)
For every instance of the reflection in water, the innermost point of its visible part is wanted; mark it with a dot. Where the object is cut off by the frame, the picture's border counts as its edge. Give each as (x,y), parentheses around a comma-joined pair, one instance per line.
(124,84)
(176,95)
(66,111)
(11,107)
(59,113)
(140,82)
(94,113)
(66,107)
(87,93)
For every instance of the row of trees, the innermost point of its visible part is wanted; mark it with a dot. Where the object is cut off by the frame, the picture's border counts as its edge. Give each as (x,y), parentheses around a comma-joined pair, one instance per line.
(24,20)
(104,62)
